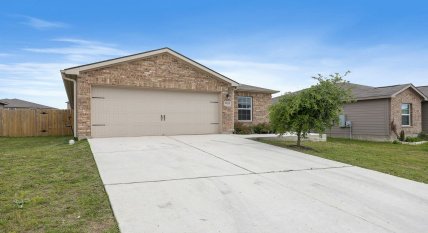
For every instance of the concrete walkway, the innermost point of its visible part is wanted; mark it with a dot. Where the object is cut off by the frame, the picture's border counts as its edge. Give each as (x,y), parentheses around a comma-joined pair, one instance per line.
(224,183)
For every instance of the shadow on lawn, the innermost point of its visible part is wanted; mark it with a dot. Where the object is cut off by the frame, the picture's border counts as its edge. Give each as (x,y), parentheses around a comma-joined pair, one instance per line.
(286,144)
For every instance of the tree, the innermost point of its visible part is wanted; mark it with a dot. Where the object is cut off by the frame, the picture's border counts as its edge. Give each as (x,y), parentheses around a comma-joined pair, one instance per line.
(316,108)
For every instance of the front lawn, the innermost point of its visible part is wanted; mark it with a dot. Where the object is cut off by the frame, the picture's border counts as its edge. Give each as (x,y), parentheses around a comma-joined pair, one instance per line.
(406,161)
(47,185)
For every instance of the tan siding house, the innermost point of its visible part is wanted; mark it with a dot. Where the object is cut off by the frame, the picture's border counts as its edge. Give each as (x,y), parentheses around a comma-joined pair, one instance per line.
(159,92)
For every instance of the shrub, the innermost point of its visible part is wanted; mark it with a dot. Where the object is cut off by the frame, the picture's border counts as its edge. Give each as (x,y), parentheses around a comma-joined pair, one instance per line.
(395,142)
(242,129)
(262,128)
(413,139)
(402,136)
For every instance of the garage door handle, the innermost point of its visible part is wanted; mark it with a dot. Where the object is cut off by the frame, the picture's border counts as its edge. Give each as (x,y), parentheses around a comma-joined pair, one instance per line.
(164,117)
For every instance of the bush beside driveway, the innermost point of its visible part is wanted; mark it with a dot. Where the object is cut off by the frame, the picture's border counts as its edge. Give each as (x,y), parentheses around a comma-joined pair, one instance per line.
(50,186)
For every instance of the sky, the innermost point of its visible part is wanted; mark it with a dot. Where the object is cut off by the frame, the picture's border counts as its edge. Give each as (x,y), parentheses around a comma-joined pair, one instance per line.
(273,44)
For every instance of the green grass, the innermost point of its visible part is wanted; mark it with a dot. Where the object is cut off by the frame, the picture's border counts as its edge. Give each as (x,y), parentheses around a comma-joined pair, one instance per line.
(407,161)
(58,183)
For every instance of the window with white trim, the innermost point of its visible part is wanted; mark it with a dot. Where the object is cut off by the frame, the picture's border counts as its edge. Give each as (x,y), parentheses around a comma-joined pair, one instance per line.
(406,114)
(245,108)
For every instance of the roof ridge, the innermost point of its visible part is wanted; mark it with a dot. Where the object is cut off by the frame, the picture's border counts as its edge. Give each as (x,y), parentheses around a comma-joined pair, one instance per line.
(405,84)
(76,70)
(359,85)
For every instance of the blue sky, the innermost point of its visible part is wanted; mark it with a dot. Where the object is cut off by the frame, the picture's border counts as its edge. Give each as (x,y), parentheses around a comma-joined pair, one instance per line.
(273,44)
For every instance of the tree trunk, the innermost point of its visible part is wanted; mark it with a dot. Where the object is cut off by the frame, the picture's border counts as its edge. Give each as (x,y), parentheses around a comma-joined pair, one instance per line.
(299,135)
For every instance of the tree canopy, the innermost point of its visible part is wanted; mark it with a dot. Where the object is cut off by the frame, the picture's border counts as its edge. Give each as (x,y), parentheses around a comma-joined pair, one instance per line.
(313,109)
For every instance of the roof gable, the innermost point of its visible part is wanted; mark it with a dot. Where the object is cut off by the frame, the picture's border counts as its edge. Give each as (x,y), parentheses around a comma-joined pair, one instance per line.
(76,70)
(414,89)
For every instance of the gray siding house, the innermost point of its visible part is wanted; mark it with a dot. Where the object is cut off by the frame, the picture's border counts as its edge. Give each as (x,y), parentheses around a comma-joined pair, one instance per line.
(378,110)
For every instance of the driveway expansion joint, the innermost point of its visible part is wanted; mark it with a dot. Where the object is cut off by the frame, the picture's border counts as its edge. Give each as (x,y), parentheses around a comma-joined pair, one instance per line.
(231,175)
(206,152)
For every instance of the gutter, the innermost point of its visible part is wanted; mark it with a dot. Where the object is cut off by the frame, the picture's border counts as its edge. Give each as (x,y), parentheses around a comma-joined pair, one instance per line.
(74,102)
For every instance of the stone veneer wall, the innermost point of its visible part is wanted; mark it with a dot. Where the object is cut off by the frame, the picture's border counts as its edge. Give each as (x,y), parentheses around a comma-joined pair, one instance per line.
(411,97)
(160,71)
(261,104)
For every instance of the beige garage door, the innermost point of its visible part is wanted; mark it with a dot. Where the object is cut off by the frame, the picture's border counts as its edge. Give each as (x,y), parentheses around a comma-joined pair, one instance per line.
(117,112)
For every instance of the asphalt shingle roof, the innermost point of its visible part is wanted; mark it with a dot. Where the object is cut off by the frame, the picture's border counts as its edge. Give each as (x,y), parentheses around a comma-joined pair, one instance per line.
(424,90)
(17,103)
(362,92)
(367,92)
(244,87)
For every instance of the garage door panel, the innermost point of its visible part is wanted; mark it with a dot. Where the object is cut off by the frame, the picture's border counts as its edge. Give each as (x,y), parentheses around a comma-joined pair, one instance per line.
(137,112)
(196,113)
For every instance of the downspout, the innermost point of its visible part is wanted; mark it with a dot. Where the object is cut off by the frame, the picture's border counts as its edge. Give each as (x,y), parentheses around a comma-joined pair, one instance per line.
(74,103)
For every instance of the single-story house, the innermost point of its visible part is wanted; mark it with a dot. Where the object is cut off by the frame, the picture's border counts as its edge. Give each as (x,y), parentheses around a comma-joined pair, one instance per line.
(378,110)
(159,92)
(424,90)
(21,104)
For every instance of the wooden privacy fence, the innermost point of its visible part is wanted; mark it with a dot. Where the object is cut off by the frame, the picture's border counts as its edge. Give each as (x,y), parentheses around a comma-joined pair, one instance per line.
(35,122)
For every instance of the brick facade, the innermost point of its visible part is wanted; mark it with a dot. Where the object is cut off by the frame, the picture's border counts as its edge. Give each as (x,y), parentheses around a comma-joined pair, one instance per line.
(160,71)
(413,98)
(261,104)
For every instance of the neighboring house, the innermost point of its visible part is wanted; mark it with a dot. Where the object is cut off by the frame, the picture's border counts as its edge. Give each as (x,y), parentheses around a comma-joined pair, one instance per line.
(21,104)
(2,104)
(159,92)
(424,90)
(376,108)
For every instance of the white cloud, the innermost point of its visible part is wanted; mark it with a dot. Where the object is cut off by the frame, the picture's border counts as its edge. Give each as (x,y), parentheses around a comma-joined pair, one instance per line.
(280,67)
(293,69)
(41,23)
(41,81)
(36,82)
(268,75)
(81,51)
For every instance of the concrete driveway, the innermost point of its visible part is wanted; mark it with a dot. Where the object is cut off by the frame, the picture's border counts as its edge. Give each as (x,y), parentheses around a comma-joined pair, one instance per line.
(224,183)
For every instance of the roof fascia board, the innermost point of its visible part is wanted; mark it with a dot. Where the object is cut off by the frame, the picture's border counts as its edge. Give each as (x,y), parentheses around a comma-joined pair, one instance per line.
(254,91)
(373,98)
(77,70)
